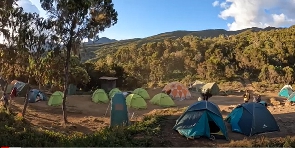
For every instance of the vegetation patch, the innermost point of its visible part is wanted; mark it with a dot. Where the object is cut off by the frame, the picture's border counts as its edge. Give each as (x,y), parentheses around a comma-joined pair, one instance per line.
(15,131)
(262,142)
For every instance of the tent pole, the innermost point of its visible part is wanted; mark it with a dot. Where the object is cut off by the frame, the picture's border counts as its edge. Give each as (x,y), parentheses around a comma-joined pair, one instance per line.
(107,109)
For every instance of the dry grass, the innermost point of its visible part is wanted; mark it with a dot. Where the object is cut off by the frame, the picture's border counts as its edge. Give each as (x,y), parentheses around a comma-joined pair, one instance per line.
(262,142)
(266,87)
(231,86)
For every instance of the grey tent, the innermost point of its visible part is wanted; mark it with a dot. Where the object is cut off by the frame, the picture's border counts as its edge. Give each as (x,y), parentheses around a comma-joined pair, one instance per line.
(21,88)
(198,85)
(213,88)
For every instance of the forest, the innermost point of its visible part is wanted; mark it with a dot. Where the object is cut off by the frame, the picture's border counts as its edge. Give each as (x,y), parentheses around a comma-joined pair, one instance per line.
(35,56)
(265,56)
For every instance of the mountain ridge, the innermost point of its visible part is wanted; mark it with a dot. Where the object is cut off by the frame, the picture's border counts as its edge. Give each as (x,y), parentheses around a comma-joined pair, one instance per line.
(108,46)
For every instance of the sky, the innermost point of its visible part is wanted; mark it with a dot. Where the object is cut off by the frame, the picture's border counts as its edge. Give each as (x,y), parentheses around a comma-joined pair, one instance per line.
(143,18)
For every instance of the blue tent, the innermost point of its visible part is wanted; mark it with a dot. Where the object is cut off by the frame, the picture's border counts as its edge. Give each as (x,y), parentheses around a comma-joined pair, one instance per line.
(292,97)
(34,93)
(252,118)
(119,113)
(286,91)
(202,119)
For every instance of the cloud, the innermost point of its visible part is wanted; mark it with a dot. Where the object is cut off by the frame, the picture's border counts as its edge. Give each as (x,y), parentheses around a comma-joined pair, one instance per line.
(28,6)
(258,13)
(215,3)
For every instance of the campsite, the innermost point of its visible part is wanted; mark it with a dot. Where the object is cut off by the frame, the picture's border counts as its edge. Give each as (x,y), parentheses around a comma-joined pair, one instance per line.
(87,115)
(107,73)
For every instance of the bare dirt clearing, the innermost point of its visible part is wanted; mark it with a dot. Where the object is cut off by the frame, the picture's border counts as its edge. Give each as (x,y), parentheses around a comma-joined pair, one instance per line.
(86,116)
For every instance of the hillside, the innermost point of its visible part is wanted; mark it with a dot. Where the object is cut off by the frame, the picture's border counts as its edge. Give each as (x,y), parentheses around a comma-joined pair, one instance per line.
(263,56)
(93,51)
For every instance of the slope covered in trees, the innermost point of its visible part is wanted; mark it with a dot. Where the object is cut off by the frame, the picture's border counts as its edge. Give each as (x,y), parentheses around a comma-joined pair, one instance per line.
(95,51)
(264,56)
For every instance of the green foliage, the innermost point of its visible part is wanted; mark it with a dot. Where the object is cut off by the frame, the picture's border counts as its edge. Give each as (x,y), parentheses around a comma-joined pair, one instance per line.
(16,132)
(263,56)
(54,73)
(94,52)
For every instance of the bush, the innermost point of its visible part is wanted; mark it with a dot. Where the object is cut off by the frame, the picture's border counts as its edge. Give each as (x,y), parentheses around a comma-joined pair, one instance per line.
(15,131)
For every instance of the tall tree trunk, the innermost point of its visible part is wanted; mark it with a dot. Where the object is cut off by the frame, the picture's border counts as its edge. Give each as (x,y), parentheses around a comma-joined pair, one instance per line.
(66,84)
(26,102)
(5,90)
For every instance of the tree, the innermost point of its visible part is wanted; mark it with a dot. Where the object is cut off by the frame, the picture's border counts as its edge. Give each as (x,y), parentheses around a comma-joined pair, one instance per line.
(76,20)
(38,41)
(9,26)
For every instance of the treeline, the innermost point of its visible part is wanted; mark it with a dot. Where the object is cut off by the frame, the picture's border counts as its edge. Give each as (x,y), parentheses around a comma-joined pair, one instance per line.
(267,56)
(36,55)
(44,51)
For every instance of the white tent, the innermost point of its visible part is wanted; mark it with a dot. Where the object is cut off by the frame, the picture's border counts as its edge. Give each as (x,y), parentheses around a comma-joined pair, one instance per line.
(198,85)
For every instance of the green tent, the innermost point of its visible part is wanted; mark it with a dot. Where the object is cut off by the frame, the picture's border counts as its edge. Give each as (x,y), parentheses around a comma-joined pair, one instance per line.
(213,88)
(135,101)
(113,92)
(56,99)
(163,100)
(100,96)
(142,92)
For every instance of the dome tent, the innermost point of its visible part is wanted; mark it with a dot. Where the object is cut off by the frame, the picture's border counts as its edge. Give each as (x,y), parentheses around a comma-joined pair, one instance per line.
(100,96)
(163,100)
(177,90)
(113,92)
(142,92)
(56,99)
(286,91)
(251,119)
(202,119)
(135,101)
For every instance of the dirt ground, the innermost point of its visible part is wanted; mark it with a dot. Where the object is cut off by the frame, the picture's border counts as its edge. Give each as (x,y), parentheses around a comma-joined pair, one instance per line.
(86,116)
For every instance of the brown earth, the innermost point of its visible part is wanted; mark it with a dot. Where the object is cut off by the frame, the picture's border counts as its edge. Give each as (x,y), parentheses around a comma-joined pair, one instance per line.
(86,116)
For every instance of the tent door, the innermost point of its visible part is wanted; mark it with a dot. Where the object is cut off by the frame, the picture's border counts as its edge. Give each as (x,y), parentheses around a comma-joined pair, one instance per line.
(215,132)
(213,127)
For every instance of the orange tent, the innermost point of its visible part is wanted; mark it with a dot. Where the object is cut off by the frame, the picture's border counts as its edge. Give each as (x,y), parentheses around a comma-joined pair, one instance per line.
(177,90)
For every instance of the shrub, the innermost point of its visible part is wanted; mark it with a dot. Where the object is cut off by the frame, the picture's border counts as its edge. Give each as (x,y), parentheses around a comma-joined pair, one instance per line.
(17,132)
